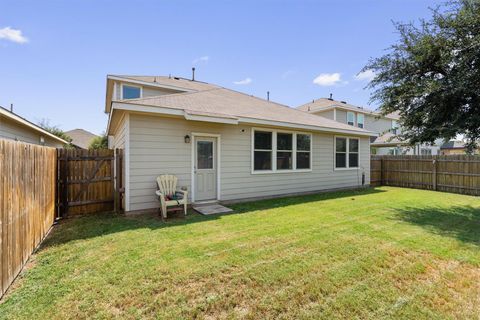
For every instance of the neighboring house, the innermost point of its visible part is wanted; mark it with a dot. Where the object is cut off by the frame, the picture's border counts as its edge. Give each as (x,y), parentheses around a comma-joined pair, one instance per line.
(14,127)
(386,126)
(454,147)
(81,139)
(226,145)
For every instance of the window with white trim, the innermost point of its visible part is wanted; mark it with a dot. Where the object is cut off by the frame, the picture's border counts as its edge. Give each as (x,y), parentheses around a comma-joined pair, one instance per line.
(131,92)
(284,151)
(277,151)
(360,120)
(350,118)
(303,151)
(394,127)
(262,152)
(346,152)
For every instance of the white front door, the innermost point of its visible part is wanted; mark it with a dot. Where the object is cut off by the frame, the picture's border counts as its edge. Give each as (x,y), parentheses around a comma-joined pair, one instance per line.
(205,168)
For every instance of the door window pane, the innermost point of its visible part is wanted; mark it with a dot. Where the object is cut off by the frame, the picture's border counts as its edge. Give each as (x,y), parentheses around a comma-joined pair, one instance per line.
(284,141)
(263,140)
(303,142)
(284,160)
(262,160)
(204,155)
(303,160)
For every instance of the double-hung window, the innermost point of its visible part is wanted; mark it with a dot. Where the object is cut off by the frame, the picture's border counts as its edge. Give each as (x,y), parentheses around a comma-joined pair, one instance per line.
(262,152)
(303,151)
(394,127)
(361,120)
(350,118)
(277,151)
(284,151)
(346,152)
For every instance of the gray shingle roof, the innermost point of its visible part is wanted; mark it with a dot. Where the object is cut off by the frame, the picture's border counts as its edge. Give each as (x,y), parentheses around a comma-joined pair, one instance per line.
(325,104)
(229,103)
(388,139)
(81,138)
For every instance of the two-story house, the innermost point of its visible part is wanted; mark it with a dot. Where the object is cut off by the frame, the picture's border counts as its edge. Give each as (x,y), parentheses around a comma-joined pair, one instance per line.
(224,145)
(386,126)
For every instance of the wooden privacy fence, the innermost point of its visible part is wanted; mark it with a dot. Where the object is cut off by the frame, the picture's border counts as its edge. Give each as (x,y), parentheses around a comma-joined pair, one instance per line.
(86,181)
(27,203)
(452,173)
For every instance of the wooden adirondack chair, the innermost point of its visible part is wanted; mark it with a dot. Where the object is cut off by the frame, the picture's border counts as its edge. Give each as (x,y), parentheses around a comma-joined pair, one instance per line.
(169,195)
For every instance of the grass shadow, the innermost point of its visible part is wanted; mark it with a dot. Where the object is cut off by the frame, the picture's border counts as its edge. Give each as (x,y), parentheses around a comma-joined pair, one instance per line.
(101,224)
(460,222)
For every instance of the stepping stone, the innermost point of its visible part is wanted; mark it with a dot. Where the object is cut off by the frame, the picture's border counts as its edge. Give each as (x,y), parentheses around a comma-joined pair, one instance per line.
(211,209)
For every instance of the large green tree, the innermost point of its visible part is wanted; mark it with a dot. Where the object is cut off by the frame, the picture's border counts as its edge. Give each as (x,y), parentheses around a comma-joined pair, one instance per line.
(100,142)
(55,130)
(431,76)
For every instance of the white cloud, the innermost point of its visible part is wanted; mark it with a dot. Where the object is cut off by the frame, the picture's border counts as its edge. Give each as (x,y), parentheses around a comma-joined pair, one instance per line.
(365,75)
(327,79)
(243,82)
(201,59)
(14,35)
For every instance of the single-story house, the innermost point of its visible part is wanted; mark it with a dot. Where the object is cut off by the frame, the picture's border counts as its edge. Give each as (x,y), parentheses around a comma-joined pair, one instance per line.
(81,138)
(14,127)
(225,145)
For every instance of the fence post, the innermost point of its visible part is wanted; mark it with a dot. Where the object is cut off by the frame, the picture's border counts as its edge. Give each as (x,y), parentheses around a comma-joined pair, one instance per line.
(434,173)
(382,168)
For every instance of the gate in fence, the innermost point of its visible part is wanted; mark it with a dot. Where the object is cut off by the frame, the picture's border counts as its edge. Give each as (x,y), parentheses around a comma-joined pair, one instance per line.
(89,181)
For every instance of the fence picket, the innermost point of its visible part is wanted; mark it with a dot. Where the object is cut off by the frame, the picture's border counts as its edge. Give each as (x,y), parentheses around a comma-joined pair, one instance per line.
(456,174)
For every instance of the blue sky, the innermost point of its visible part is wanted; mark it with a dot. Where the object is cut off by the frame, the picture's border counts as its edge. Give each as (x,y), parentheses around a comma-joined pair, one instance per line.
(55,56)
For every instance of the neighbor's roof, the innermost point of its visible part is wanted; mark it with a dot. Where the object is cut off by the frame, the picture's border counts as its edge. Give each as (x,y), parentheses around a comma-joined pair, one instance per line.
(453,144)
(81,138)
(235,106)
(388,139)
(324,104)
(24,122)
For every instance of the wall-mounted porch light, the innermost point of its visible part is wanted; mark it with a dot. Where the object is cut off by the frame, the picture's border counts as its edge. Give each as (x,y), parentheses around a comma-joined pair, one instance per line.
(187,139)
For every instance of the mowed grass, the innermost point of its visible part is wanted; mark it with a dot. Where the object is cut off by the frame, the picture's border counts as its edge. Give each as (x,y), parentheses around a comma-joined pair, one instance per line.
(387,253)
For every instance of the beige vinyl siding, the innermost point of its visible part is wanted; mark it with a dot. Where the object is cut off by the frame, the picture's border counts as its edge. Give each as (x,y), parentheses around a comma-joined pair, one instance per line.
(379,125)
(329,114)
(13,130)
(341,116)
(146,91)
(119,137)
(157,147)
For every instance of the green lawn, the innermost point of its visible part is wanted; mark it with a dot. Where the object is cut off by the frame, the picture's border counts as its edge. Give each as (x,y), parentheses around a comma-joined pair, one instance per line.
(377,253)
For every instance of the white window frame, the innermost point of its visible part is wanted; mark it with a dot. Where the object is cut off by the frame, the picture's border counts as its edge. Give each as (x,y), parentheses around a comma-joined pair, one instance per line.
(353,117)
(347,153)
(394,126)
(274,151)
(292,151)
(361,115)
(130,85)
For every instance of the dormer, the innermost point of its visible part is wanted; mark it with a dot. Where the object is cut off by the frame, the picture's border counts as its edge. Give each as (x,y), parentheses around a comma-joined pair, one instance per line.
(121,87)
